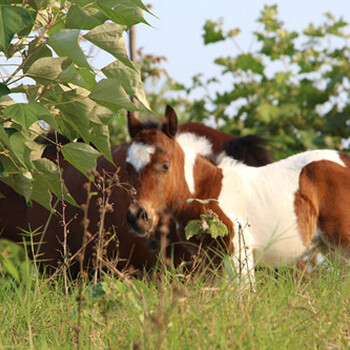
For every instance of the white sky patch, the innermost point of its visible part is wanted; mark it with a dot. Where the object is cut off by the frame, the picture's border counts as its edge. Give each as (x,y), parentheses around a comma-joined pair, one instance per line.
(193,145)
(139,154)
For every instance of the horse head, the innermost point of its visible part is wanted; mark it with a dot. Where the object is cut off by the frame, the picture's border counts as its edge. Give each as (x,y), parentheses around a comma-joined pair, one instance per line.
(152,170)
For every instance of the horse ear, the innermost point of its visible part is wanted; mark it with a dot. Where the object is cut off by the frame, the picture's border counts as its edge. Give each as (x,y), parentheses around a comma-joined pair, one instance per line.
(134,125)
(169,125)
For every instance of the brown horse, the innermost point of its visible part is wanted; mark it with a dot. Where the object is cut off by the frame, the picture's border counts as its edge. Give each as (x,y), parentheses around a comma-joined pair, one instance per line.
(275,213)
(131,251)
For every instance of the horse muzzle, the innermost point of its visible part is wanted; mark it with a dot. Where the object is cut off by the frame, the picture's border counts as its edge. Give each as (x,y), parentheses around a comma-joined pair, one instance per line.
(139,220)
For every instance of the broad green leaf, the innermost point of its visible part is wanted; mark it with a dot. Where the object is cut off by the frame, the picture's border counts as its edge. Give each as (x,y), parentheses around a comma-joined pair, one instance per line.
(45,173)
(38,4)
(76,107)
(81,77)
(99,137)
(80,18)
(110,93)
(4,90)
(36,51)
(28,29)
(217,228)
(24,182)
(46,68)
(109,37)
(25,114)
(17,144)
(65,43)
(33,151)
(130,80)
(41,193)
(12,20)
(125,12)
(193,228)
(249,62)
(81,155)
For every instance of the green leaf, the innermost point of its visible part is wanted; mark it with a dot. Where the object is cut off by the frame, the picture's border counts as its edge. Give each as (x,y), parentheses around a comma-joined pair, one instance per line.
(12,20)
(17,145)
(25,114)
(38,4)
(212,32)
(80,77)
(81,155)
(193,228)
(24,181)
(249,62)
(76,108)
(41,194)
(125,12)
(46,177)
(110,93)
(4,90)
(65,44)
(80,18)
(46,68)
(129,79)
(109,37)
(217,228)
(36,51)
(99,137)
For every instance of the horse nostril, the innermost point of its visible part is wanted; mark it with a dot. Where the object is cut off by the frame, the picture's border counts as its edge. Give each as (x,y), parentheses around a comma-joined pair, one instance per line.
(135,213)
(130,217)
(143,214)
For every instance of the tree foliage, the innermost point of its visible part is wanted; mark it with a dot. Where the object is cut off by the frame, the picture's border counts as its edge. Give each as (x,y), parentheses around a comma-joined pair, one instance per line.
(47,75)
(290,87)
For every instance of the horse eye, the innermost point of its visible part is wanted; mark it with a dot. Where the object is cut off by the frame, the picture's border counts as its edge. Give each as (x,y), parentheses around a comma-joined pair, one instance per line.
(165,167)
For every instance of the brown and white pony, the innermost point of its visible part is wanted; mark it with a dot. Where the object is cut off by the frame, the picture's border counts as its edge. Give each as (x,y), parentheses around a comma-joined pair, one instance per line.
(275,213)
(136,252)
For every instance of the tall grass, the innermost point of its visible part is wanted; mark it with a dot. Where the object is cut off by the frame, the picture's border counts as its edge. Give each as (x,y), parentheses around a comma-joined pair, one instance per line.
(290,309)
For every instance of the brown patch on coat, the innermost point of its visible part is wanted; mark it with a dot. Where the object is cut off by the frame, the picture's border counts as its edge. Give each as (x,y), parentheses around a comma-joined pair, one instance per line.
(323,200)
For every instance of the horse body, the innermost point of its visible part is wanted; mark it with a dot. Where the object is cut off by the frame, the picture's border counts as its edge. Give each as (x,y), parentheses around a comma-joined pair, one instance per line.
(274,213)
(267,202)
(130,251)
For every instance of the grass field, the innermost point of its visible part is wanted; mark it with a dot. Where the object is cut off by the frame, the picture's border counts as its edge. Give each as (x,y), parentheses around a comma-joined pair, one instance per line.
(289,310)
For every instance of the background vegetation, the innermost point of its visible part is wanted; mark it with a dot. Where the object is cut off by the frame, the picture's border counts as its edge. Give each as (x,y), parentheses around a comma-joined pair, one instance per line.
(292,88)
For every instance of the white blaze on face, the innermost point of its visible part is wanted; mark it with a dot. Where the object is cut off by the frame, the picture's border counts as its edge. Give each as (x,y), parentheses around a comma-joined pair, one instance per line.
(139,155)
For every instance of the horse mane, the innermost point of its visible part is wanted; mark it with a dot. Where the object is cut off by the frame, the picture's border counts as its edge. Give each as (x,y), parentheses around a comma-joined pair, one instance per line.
(249,149)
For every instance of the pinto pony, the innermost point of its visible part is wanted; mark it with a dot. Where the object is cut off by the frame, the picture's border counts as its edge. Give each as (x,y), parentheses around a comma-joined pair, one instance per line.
(131,252)
(279,211)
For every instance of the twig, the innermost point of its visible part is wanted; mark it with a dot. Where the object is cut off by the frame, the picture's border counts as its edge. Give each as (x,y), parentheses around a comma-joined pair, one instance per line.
(63,216)
(86,236)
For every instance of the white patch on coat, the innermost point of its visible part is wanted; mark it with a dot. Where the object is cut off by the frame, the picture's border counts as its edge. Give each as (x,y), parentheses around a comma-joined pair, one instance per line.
(263,198)
(139,155)
(193,145)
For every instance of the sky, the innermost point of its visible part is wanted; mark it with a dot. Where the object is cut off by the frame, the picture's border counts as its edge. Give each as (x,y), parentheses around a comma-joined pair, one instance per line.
(177,31)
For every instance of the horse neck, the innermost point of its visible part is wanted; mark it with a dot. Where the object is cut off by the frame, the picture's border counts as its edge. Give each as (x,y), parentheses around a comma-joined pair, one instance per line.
(207,185)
